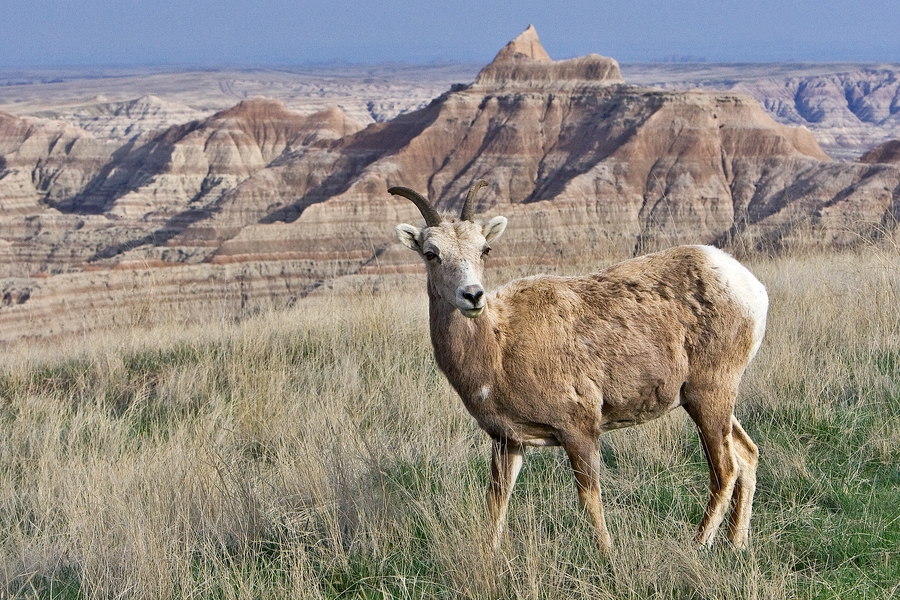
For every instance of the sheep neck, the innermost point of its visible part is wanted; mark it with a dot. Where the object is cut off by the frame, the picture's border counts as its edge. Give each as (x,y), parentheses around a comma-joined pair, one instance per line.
(466,350)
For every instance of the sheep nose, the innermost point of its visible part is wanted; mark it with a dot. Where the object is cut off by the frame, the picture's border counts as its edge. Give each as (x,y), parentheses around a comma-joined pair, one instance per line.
(473,293)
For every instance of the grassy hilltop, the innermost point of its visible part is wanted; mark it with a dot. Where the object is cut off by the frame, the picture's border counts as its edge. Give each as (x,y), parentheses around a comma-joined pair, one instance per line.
(317,453)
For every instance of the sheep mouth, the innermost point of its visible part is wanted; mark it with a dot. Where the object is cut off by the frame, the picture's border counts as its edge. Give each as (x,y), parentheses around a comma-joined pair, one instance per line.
(472,312)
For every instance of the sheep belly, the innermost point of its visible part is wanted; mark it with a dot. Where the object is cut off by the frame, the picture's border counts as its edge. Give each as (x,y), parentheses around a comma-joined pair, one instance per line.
(651,402)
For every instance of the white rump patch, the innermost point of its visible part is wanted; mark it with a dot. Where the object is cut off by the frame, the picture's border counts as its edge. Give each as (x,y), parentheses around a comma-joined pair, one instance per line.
(745,289)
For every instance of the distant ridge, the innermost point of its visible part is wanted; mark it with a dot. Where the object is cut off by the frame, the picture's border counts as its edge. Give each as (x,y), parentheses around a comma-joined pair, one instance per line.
(128,119)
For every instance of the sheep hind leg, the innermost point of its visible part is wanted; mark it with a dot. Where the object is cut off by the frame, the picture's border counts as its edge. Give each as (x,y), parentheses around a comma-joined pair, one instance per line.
(713,420)
(742,498)
(506,462)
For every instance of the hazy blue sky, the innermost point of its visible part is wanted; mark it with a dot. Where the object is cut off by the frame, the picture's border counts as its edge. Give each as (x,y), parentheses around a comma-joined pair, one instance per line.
(284,32)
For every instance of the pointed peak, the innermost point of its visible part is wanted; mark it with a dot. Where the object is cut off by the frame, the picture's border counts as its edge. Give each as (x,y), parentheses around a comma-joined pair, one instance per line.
(524,63)
(525,45)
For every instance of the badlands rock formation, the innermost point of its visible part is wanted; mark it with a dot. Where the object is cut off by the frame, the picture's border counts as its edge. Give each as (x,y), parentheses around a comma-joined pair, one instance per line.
(126,120)
(524,63)
(630,166)
(850,108)
(68,198)
(260,204)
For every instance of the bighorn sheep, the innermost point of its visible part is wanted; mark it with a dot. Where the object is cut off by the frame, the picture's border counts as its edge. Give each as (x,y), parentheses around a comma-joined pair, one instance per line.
(547,361)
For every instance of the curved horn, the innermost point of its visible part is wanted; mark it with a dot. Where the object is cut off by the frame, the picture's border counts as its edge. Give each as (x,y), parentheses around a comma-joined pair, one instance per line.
(468,210)
(432,218)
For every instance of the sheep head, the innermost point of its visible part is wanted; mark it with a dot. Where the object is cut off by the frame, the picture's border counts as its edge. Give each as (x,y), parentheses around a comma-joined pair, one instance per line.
(453,251)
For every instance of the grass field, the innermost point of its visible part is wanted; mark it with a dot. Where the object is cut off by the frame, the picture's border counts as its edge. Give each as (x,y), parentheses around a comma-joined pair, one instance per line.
(318,453)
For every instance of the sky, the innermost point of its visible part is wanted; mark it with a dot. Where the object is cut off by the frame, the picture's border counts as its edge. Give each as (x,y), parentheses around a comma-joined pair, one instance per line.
(62,33)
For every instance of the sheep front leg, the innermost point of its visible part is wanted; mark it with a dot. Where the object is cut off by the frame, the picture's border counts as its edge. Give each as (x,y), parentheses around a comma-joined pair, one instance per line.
(506,462)
(584,457)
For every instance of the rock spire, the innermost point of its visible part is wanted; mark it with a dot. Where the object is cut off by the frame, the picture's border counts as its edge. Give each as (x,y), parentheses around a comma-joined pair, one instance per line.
(523,62)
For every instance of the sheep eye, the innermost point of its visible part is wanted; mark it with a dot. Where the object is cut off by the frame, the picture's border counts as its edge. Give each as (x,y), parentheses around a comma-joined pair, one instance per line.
(430,256)
(486,251)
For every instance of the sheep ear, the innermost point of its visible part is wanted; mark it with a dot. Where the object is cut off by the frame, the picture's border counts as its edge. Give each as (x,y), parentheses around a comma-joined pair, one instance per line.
(494,228)
(409,236)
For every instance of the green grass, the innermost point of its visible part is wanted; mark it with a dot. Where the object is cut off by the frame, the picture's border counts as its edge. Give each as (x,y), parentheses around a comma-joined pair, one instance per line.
(846,537)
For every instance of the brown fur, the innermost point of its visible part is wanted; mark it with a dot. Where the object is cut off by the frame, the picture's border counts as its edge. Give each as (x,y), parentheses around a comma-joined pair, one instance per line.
(560,360)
